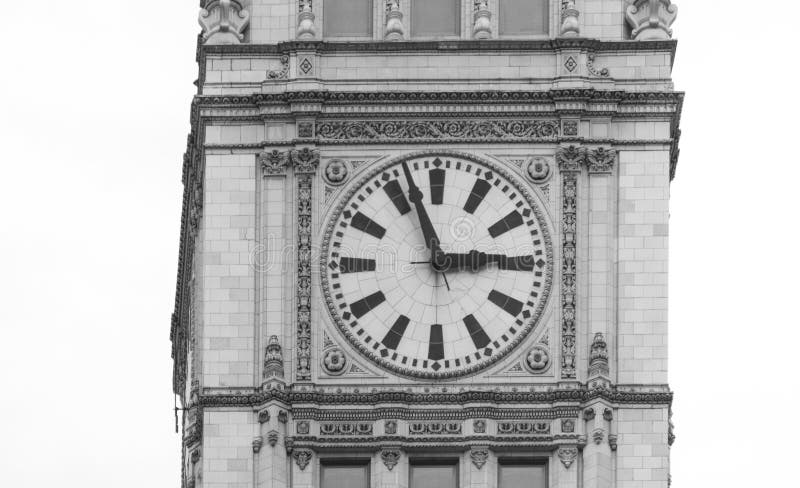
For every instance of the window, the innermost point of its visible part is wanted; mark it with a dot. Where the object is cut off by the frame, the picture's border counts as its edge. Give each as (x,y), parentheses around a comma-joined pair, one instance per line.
(524,17)
(522,473)
(350,474)
(347,18)
(435,18)
(435,474)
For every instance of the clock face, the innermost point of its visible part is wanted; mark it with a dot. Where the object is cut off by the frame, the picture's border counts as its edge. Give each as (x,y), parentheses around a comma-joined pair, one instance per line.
(437,265)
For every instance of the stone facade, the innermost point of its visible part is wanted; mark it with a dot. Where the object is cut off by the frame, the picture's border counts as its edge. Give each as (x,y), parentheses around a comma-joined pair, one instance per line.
(286,121)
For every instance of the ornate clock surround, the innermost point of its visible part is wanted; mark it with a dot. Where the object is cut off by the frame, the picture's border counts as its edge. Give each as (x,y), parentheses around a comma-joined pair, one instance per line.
(530,324)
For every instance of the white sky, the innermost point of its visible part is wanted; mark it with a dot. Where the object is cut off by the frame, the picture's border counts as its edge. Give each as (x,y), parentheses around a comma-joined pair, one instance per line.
(94,112)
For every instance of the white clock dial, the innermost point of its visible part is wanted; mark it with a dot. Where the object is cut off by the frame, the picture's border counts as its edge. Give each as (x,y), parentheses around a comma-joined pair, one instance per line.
(457,315)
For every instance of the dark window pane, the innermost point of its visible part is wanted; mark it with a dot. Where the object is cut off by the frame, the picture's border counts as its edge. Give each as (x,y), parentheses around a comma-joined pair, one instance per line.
(434,476)
(435,18)
(345,476)
(523,476)
(347,18)
(524,17)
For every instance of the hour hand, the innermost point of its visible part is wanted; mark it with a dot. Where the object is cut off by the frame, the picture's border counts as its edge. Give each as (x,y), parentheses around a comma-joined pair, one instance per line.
(475,260)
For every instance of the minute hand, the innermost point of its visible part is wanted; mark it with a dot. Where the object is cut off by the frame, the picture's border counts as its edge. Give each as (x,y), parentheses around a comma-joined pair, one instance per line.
(432,241)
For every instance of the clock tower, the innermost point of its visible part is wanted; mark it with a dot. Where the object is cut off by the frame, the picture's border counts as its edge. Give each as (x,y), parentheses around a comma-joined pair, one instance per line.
(424,244)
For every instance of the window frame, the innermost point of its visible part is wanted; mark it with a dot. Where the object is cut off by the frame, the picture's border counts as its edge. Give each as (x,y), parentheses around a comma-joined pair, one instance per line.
(523,461)
(444,460)
(547,34)
(459,34)
(374,25)
(332,462)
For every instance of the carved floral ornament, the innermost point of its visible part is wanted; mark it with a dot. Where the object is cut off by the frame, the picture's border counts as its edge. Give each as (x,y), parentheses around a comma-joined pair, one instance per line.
(390,458)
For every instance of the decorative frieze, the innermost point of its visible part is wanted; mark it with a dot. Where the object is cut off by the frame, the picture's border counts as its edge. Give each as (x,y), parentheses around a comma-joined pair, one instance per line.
(569,160)
(651,19)
(434,428)
(444,130)
(506,428)
(347,429)
(223,21)
(304,162)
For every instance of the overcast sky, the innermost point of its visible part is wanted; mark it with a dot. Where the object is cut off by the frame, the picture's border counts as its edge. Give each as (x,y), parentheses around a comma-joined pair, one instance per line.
(93,123)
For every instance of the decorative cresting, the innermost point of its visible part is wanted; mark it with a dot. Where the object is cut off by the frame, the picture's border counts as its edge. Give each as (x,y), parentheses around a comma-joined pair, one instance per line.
(570,160)
(482,28)
(223,21)
(394,21)
(305,162)
(651,19)
(570,26)
(305,20)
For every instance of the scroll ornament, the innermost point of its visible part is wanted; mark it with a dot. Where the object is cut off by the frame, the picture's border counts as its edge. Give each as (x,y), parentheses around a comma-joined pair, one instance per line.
(223,21)
(651,19)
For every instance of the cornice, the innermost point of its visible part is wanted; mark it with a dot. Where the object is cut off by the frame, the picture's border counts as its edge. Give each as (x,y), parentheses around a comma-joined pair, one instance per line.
(451,97)
(576,396)
(489,45)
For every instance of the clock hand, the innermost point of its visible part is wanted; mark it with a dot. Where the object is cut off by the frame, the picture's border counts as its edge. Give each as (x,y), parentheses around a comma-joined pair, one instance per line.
(474,260)
(432,241)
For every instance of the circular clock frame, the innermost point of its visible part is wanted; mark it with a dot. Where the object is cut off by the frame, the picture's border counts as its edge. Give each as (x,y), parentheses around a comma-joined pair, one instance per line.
(528,325)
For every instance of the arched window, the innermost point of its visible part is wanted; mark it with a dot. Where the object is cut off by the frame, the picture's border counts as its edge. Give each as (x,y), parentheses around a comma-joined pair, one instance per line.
(524,17)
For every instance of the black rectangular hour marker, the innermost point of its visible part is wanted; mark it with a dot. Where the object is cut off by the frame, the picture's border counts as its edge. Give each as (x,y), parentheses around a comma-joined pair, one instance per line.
(395,334)
(477,195)
(512,306)
(510,221)
(476,332)
(356,265)
(361,307)
(366,224)
(395,194)
(436,343)
(437,186)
